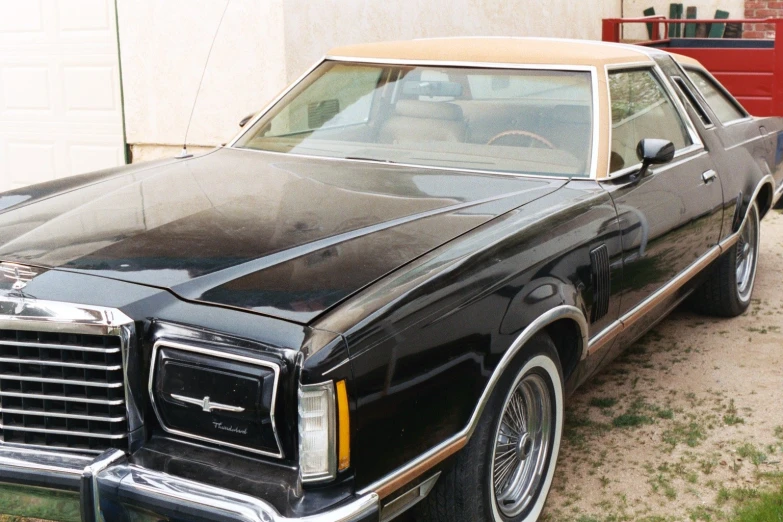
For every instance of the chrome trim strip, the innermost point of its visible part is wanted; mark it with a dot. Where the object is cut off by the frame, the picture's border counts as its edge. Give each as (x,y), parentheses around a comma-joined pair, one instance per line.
(115,402)
(459,63)
(22,313)
(60,381)
(38,460)
(422,167)
(90,499)
(62,415)
(593,70)
(66,432)
(74,451)
(40,362)
(405,501)
(91,349)
(134,479)
(416,467)
(222,355)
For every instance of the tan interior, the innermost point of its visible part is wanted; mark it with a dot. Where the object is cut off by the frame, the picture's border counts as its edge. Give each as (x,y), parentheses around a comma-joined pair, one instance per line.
(417,121)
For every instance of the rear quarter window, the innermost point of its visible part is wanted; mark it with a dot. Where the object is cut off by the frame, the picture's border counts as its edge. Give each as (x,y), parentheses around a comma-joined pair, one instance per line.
(726,108)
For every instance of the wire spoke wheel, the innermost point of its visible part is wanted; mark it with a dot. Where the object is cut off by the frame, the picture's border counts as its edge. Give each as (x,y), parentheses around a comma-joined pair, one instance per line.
(522,444)
(746,257)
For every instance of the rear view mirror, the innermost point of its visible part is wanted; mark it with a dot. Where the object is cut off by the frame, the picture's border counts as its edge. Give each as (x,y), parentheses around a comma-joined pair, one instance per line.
(651,151)
(246,119)
(431,88)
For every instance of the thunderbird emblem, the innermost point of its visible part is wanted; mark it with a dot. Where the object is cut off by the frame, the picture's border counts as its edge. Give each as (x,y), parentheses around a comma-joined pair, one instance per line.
(19,273)
(206,404)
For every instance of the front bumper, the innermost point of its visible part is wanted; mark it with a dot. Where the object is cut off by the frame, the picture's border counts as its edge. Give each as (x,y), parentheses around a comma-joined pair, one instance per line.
(110,487)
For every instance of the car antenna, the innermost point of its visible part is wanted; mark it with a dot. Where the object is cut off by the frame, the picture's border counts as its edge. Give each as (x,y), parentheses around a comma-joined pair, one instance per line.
(184,153)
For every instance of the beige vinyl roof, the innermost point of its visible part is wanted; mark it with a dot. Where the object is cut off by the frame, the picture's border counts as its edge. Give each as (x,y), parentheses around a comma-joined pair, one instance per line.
(538,51)
(685,60)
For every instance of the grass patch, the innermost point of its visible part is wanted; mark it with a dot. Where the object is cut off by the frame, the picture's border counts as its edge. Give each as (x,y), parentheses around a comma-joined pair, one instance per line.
(631,420)
(39,503)
(603,402)
(731,420)
(765,507)
(750,452)
(690,434)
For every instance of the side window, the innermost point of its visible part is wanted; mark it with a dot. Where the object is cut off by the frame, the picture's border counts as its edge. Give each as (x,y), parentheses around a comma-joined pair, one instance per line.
(641,109)
(725,109)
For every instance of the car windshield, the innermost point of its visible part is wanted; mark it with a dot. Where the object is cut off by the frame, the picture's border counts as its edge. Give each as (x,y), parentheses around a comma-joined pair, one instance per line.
(525,121)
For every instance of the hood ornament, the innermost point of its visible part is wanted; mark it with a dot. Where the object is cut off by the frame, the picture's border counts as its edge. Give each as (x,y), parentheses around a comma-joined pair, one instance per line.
(19,273)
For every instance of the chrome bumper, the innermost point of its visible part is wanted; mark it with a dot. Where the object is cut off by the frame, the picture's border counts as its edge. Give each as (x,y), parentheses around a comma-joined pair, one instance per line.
(109,481)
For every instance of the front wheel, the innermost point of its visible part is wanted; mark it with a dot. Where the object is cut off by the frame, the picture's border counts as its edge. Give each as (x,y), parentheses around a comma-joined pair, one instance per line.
(505,472)
(729,284)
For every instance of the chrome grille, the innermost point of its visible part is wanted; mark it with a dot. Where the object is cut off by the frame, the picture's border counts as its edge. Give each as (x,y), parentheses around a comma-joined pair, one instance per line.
(62,390)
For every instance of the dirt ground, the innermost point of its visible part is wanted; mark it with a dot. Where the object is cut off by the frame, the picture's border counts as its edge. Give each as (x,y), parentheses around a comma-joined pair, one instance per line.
(688,422)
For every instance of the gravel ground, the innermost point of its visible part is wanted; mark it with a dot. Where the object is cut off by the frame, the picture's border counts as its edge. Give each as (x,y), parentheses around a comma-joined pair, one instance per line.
(688,422)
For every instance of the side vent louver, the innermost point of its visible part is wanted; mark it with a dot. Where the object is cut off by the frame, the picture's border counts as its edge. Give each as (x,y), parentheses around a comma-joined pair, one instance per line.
(599,262)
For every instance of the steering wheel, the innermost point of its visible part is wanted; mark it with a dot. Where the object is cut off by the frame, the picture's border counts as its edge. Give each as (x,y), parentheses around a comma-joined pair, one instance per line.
(531,135)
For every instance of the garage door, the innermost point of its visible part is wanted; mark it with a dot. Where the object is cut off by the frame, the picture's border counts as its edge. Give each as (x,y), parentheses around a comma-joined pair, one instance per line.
(60,101)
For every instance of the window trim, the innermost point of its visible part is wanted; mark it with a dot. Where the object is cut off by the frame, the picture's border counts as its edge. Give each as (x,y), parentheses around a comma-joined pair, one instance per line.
(720,88)
(696,143)
(693,99)
(594,105)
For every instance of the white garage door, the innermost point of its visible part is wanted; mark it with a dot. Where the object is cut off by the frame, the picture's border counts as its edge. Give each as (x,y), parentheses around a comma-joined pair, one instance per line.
(60,101)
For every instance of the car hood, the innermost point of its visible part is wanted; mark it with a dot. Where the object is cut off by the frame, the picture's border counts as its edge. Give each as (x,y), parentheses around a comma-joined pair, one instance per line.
(277,234)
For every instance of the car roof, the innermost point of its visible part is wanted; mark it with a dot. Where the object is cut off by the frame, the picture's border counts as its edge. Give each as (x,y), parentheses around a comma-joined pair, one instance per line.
(500,50)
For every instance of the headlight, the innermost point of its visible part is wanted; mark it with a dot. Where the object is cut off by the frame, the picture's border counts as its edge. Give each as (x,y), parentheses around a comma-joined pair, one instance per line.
(317,432)
(215,396)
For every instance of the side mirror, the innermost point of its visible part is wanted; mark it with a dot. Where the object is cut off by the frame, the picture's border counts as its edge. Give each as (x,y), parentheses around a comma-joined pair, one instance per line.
(246,119)
(654,152)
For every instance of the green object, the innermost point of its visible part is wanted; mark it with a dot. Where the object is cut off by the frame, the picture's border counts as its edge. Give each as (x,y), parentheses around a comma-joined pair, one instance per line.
(675,13)
(690,29)
(650,11)
(716,31)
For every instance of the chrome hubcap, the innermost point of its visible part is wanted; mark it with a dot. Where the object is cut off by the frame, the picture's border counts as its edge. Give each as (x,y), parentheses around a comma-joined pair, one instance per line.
(522,445)
(746,257)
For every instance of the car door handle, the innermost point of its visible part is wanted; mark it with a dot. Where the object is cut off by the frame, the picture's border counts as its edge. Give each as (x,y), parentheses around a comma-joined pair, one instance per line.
(709,176)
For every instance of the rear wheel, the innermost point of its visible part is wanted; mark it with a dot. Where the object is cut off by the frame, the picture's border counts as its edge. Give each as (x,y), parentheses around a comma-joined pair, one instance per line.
(505,472)
(729,284)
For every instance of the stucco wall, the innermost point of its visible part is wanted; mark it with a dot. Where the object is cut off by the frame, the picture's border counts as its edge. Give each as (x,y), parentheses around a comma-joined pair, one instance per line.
(163,47)
(264,44)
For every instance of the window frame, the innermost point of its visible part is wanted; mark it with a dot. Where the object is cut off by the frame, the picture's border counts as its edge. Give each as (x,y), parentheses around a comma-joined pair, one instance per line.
(693,99)
(594,105)
(696,142)
(721,89)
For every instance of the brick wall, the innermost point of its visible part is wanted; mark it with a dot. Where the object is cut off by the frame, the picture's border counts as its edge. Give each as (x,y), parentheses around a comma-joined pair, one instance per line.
(762,9)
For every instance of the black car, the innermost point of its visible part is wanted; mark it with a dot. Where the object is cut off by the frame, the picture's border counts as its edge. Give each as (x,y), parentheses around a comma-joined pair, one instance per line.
(380,293)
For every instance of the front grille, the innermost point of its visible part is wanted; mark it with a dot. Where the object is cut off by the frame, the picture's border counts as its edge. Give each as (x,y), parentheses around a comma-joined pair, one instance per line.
(62,390)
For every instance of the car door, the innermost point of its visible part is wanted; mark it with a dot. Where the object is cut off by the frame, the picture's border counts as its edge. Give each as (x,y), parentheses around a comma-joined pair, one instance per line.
(669,218)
